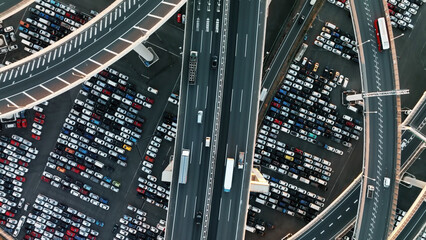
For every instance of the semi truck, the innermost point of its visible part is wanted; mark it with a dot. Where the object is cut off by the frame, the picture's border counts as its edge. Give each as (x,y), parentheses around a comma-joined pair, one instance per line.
(183,169)
(193,61)
(228,174)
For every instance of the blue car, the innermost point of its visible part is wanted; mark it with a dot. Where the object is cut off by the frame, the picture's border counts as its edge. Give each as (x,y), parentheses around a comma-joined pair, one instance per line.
(22,29)
(82,150)
(130,97)
(95,121)
(337,46)
(86,88)
(87,187)
(99,223)
(103,200)
(55,26)
(286,104)
(275,109)
(299,125)
(282,91)
(274,180)
(321,129)
(121,157)
(277,100)
(88,136)
(79,155)
(107,179)
(65,131)
(133,139)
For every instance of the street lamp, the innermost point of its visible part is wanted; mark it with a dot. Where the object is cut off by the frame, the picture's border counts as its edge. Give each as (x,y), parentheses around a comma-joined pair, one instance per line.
(369,40)
(78,75)
(402,34)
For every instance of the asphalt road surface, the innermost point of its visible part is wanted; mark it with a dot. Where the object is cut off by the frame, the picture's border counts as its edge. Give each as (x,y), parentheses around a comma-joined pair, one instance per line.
(239,117)
(415,227)
(374,214)
(187,199)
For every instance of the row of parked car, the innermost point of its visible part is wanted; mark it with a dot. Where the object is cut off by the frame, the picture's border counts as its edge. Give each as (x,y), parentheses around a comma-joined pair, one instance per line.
(402,13)
(48,22)
(291,161)
(305,112)
(37,125)
(50,219)
(256,224)
(15,155)
(75,188)
(134,227)
(153,192)
(10,37)
(335,40)
(295,202)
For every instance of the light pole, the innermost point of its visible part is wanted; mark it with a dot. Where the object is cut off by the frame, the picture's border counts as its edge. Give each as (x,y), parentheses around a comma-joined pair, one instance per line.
(402,34)
(78,75)
(369,40)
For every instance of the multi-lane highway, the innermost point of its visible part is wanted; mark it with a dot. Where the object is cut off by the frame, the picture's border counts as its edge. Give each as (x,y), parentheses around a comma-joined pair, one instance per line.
(380,152)
(82,54)
(187,199)
(239,117)
(417,223)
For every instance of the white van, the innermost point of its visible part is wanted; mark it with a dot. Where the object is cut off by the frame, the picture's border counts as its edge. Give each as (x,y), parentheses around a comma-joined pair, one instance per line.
(261,201)
(250,229)
(345,82)
(28,43)
(200,117)
(263,94)
(330,25)
(353,109)
(207,142)
(315,207)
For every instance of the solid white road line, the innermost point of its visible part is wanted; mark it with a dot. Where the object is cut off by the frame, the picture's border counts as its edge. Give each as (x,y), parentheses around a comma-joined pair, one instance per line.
(207,93)
(30,96)
(211,41)
(196,96)
(125,40)
(142,29)
(230,207)
(201,44)
(63,80)
(46,88)
(93,61)
(220,208)
(186,203)
(232,98)
(106,49)
(241,100)
(192,150)
(195,206)
(201,151)
(245,48)
(236,45)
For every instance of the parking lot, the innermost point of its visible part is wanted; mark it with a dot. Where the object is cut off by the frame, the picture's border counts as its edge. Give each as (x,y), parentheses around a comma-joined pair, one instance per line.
(95,154)
(343,168)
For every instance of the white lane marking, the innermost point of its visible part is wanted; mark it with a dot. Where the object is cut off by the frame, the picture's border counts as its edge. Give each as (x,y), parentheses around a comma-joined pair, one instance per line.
(236,45)
(142,29)
(155,16)
(230,207)
(207,93)
(46,88)
(186,203)
(125,40)
(331,224)
(93,61)
(195,206)
(347,209)
(79,71)
(201,44)
(245,48)
(211,41)
(220,208)
(196,96)
(232,98)
(241,100)
(63,80)
(201,151)
(30,96)
(106,49)
(192,150)
(339,217)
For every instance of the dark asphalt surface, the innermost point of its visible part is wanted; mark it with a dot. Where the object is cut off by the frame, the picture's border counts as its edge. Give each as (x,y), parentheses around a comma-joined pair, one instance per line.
(374,214)
(416,225)
(164,80)
(239,117)
(25,79)
(6,4)
(187,199)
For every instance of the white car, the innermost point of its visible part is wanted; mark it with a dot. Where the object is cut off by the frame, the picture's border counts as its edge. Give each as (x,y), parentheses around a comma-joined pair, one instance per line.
(147,164)
(147,170)
(328,48)
(38,109)
(172,100)
(35,131)
(151,154)
(152,90)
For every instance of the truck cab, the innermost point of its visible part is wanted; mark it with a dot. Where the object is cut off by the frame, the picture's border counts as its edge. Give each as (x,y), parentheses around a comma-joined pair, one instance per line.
(370,191)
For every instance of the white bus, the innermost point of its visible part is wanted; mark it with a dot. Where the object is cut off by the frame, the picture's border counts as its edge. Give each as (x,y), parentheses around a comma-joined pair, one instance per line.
(228,174)
(183,170)
(381,34)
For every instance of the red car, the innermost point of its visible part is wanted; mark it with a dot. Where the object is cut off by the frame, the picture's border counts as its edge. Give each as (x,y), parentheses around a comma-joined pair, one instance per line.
(3,222)
(179,17)
(121,87)
(28,237)
(392,12)
(18,123)
(150,100)
(40,115)
(48,229)
(74,229)
(276,105)
(37,120)
(149,159)
(350,124)
(390,6)
(24,123)
(22,163)
(21,179)
(140,190)
(45,179)
(36,137)
(9,214)
(81,167)
(96,116)
(90,237)
(106,92)
(278,121)
(35,234)
(104,73)
(298,151)
(137,124)
(137,106)
(76,170)
(71,234)
(13,142)
(66,237)
(83,191)
(4,161)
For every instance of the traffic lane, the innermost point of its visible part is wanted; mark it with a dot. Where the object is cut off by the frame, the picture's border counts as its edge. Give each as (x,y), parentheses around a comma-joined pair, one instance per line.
(416,225)
(6,4)
(284,49)
(20,85)
(336,219)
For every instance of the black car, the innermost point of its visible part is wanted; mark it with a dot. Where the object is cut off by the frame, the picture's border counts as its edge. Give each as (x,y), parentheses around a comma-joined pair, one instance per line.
(198,217)
(214,62)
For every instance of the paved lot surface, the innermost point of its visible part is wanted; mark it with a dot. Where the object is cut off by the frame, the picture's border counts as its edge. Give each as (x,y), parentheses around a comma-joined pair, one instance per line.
(345,167)
(163,76)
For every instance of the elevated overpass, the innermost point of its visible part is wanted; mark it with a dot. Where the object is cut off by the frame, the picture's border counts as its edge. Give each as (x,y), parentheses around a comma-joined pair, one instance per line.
(382,138)
(75,58)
